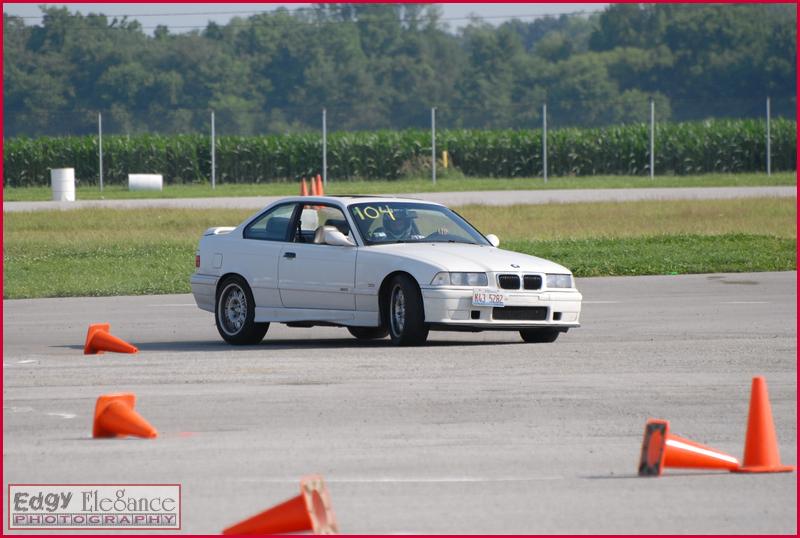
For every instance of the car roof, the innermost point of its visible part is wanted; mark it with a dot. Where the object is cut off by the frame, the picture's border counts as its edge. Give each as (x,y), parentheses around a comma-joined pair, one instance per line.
(349,199)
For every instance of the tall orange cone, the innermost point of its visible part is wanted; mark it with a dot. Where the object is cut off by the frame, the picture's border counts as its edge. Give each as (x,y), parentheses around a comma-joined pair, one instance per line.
(320,189)
(314,191)
(661,449)
(761,444)
(309,511)
(114,416)
(98,340)
(303,187)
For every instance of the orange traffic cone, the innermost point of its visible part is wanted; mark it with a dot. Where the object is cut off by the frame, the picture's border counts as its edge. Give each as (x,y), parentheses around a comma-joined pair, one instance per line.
(303,187)
(98,340)
(309,511)
(761,444)
(314,191)
(114,416)
(320,189)
(661,449)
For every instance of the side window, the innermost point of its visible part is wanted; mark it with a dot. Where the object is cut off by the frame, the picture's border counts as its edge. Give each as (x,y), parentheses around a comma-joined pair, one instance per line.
(313,218)
(272,225)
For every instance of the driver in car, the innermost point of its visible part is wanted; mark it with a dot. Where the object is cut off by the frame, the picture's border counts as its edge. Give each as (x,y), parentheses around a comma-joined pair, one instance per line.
(399,226)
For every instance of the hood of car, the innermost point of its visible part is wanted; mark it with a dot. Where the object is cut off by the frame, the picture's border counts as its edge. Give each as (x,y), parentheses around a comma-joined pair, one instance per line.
(472,258)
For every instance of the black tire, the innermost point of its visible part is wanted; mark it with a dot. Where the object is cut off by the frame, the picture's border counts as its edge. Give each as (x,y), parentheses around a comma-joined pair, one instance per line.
(539,336)
(368,333)
(405,313)
(234,312)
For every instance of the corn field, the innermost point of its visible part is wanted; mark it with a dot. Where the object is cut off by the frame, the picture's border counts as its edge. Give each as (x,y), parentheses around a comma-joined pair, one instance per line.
(680,148)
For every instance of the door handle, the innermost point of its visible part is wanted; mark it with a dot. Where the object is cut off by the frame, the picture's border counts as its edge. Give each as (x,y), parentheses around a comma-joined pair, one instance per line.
(290,255)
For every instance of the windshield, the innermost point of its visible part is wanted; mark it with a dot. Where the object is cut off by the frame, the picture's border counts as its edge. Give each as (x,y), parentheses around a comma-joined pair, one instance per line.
(409,222)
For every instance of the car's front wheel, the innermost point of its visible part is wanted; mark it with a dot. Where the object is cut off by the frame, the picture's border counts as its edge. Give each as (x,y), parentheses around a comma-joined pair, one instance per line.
(539,336)
(235,313)
(368,333)
(406,313)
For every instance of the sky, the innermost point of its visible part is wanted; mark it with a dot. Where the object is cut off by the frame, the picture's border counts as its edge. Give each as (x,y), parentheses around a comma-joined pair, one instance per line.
(193,16)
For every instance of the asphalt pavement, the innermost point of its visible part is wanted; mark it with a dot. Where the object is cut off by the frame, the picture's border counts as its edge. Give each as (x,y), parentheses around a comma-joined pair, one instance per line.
(473,433)
(497,198)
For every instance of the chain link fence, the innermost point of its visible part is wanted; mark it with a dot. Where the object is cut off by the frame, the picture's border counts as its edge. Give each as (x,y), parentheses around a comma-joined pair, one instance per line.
(582,137)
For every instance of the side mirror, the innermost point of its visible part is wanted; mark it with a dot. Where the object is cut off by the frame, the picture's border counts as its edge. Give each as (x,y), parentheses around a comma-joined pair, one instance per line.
(493,239)
(336,238)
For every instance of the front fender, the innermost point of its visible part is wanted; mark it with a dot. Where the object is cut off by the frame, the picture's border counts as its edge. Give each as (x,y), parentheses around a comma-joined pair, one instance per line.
(373,267)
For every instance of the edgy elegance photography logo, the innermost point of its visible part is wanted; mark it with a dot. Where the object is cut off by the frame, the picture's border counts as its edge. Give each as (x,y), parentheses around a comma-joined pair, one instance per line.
(94,506)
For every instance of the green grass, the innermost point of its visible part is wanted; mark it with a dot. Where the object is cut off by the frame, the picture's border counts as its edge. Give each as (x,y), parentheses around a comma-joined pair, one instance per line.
(410,186)
(763,216)
(98,270)
(667,254)
(146,251)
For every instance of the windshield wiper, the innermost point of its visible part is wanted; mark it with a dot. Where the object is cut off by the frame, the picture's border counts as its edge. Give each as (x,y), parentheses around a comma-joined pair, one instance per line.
(399,241)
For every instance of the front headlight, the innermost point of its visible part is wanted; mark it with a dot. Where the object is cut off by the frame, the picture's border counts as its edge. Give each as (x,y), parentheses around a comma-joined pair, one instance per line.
(469,279)
(559,281)
(441,279)
(460,279)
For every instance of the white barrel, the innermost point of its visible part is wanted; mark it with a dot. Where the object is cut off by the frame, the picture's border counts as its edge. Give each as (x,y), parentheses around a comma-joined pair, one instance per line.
(62,180)
(145,182)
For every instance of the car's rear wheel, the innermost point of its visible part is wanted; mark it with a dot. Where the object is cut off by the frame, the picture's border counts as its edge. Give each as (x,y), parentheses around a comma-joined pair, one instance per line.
(235,313)
(368,333)
(406,313)
(539,336)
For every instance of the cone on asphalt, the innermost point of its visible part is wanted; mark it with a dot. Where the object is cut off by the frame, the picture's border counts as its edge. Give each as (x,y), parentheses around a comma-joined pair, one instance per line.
(309,511)
(99,339)
(303,187)
(320,188)
(661,449)
(314,191)
(114,416)
(761,453)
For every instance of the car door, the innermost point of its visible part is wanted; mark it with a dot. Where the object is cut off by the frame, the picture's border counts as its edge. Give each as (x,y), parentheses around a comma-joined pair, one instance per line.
(311,273)
(262,243)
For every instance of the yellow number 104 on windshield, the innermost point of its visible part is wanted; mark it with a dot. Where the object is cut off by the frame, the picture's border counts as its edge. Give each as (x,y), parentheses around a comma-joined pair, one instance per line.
(371,213)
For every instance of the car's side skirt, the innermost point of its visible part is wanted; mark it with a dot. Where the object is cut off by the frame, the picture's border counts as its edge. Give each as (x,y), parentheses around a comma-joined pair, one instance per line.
(340,317)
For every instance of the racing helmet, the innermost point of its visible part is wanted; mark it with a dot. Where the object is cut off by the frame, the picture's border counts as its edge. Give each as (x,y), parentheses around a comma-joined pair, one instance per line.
(397,223)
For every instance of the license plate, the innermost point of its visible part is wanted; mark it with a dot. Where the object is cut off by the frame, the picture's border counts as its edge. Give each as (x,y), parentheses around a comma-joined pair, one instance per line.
(488,298)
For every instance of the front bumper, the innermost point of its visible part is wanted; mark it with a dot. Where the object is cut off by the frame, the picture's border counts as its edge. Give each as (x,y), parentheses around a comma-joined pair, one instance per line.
(453,307)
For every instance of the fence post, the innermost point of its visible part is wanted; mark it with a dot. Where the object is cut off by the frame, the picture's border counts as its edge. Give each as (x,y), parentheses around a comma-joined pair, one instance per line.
(324,147)
(433,144)
(652,137)
(544,141)
(213,153)
(100,145)
(769,143)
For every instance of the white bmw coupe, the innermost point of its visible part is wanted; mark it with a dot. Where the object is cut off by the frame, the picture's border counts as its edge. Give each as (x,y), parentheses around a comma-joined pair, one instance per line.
(378,266)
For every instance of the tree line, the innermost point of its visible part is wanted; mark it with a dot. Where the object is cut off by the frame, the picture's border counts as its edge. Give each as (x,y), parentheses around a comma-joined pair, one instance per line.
(384,66)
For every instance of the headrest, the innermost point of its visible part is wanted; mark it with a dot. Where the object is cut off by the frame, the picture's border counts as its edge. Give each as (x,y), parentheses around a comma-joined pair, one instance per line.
(340,225)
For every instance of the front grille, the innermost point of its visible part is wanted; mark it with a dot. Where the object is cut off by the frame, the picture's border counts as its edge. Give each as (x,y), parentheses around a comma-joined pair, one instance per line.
(532,282)
(520,313)
(508,282)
